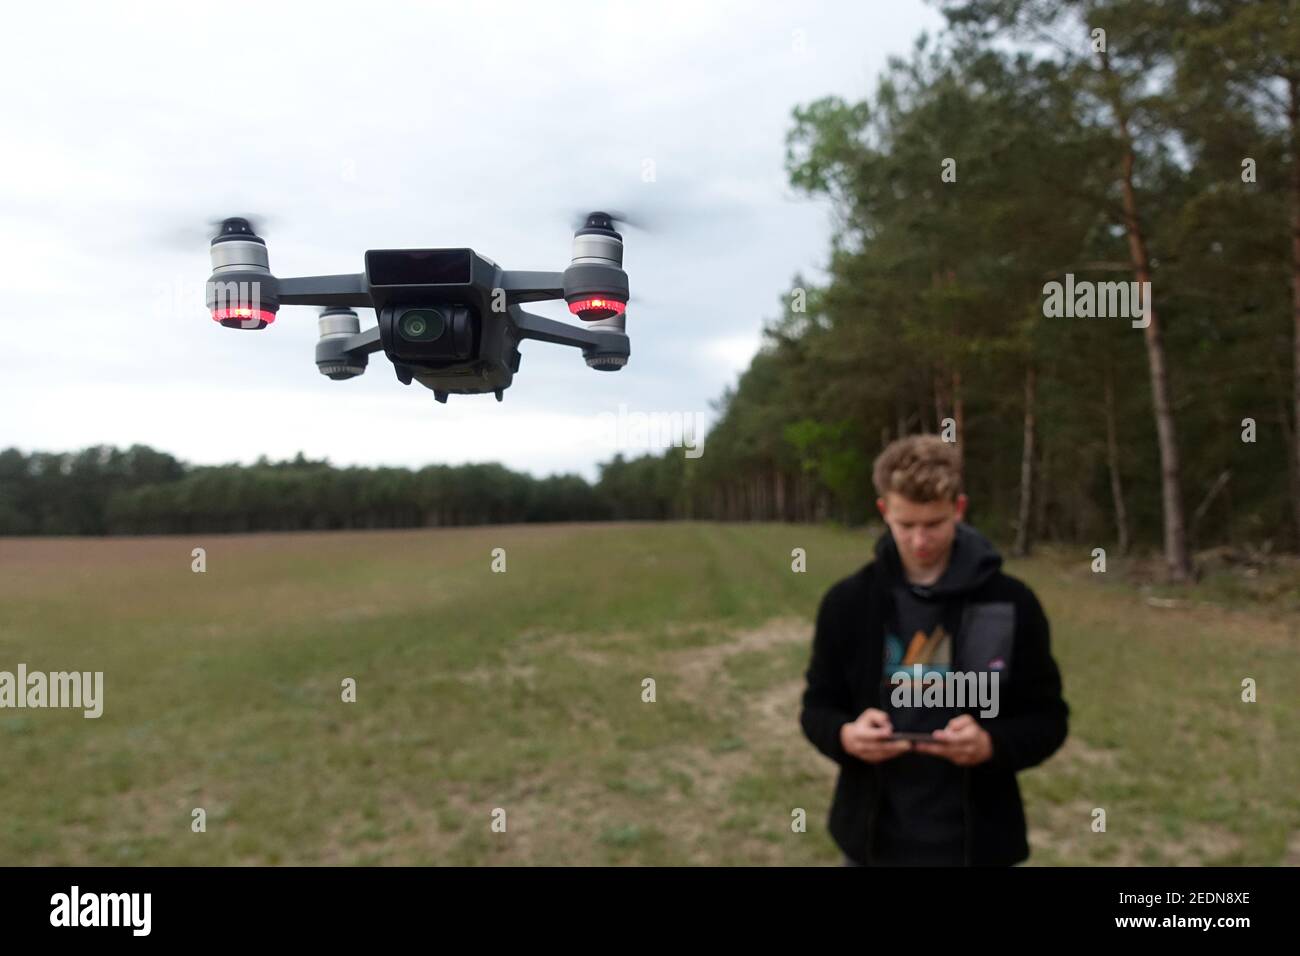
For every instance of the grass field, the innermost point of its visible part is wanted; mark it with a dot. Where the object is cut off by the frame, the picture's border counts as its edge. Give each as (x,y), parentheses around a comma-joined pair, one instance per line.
(522,691)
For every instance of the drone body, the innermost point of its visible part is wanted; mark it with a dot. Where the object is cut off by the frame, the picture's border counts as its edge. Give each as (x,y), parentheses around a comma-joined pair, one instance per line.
(449,319)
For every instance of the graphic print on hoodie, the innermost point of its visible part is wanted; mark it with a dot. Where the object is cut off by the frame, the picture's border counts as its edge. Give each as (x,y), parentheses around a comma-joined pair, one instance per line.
(921,819)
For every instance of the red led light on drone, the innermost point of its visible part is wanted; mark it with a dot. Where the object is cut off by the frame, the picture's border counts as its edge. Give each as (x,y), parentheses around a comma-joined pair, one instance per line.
(219,315)
(597,308)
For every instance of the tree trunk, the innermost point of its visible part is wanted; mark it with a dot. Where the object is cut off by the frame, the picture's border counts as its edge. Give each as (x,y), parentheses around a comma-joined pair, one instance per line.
(1177,559)
(1219,484)
(1293,115)
(1112,460)
(938,400)
(1040,500)
(958,414)
(1023,538)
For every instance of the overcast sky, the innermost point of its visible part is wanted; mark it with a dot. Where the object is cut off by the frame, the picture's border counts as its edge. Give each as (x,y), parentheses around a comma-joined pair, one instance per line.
(371,125)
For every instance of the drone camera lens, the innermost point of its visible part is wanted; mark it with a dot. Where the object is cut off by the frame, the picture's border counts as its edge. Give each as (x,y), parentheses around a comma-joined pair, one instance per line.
(421,325)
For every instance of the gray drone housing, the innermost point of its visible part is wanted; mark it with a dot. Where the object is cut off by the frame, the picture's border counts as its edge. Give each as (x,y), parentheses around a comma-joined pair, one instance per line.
(479,301)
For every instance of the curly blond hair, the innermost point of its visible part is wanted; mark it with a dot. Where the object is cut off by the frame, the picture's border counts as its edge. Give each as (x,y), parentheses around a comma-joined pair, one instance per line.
(921,468)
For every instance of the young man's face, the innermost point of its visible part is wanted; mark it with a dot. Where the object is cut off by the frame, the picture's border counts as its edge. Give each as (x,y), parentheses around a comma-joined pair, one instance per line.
(923,531)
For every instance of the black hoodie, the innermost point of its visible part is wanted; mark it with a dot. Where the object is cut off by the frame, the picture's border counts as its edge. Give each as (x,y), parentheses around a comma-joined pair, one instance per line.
(921,815)
(931,810)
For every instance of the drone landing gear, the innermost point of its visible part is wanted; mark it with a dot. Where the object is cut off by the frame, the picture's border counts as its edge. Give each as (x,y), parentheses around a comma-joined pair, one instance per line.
(440,395)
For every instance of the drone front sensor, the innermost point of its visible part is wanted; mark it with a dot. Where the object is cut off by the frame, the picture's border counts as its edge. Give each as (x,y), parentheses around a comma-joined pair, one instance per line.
(447,318)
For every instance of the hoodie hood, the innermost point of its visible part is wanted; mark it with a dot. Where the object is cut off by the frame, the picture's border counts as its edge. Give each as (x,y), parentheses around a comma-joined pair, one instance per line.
(973,561)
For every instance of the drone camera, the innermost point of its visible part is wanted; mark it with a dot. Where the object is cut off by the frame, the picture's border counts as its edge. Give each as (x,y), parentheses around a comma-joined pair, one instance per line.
(429,303)
(432,334)
(242,293)
(422,325)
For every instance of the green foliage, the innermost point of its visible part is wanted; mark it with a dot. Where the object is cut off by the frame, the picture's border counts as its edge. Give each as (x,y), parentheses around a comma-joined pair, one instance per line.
(140,491)
(932,307)
(834,453)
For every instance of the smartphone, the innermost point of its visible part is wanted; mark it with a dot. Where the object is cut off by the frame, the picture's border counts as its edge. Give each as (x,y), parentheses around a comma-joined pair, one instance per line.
(910,735)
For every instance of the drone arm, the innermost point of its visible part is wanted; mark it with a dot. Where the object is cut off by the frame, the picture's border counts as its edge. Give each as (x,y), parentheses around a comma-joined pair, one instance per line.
(532,286)
(363,343)
(342,290)
(558,333)
(604,344)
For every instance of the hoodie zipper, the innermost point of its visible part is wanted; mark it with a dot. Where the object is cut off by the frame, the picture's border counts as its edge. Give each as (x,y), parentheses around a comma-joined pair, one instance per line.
(882,597)
(965,812)
(872,814)
(957,658)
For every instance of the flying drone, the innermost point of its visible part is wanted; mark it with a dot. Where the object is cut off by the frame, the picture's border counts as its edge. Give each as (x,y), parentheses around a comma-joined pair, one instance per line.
(449,319)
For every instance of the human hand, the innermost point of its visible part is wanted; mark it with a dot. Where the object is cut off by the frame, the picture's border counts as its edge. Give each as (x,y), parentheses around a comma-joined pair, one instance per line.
(865,737)
(963,741)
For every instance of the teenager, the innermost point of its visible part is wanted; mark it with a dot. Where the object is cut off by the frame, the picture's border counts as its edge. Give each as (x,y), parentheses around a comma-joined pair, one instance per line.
(934,602)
